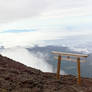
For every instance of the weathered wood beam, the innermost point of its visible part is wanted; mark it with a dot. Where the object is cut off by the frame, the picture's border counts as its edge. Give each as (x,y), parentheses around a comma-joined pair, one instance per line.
(68,54)
(69,59)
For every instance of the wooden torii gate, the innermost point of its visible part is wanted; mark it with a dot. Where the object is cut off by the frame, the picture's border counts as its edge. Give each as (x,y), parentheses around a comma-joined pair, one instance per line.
(78,56)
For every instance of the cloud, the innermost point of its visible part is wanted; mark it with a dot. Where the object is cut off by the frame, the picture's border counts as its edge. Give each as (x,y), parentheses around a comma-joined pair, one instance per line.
(12,10)
(63,8)
(38,37)
(26,38)
(28,14)
(18,9)
(24,56)
(51,19)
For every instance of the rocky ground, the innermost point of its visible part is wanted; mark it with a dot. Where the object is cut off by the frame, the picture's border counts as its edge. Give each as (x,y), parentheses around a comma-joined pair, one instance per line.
(16,77)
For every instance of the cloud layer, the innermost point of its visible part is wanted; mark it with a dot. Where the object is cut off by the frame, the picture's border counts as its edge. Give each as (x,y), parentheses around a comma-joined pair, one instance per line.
(11,10)
(51,19)
(18,9)
(27,58)
(24,56)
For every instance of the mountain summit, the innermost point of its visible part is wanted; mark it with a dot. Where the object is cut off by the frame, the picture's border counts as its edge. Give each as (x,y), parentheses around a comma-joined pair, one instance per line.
(16,77)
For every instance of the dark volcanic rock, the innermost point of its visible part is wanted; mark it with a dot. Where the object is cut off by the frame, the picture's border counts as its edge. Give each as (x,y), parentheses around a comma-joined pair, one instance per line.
(16,77)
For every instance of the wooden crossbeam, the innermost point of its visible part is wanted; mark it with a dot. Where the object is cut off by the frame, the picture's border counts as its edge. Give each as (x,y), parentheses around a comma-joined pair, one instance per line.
(69,59)
(78,56)
(68,54)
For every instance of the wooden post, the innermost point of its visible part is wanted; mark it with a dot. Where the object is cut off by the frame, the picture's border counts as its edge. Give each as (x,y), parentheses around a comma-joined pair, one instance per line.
(78,66)
(58,67)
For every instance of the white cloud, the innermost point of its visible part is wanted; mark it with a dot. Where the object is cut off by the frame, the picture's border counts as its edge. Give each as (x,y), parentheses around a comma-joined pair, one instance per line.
(36,37)
(50,18)
(24,56)
(27,38)
(22,14)
(12,10)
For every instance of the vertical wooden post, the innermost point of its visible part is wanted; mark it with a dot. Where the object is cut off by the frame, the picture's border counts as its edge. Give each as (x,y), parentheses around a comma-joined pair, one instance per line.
(78,66)
(58,67)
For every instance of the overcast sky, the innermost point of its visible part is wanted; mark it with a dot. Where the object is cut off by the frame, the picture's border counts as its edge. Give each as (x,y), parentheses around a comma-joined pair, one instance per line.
(44,16)
(11,10)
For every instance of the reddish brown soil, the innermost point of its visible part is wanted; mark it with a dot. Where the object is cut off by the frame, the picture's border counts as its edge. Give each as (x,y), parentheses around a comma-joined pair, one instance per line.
(16,77)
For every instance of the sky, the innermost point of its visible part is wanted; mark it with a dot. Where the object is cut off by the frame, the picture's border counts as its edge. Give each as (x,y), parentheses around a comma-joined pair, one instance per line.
(30,22)
(25,22)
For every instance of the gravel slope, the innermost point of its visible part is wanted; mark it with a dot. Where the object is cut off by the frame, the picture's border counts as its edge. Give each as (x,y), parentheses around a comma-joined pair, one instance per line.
(16,77)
